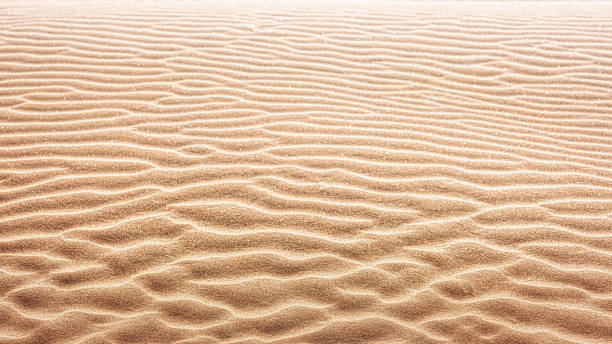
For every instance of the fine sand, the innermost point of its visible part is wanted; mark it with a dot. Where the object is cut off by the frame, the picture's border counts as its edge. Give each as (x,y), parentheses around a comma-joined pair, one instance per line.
(374,172)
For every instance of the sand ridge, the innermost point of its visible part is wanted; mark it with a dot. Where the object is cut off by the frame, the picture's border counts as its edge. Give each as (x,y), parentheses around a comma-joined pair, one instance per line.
(376,172)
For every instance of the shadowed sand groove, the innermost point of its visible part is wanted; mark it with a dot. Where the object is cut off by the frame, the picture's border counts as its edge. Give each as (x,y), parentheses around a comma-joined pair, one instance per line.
(387,172)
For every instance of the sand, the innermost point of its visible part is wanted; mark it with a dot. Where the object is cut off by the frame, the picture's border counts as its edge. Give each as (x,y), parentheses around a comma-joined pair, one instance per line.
(362,172)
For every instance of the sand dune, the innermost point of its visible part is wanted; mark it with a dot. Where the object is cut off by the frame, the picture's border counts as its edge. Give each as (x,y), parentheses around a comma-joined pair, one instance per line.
(377,172)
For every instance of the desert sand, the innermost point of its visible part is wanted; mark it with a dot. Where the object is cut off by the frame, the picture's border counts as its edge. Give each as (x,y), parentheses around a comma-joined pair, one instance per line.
(326,172)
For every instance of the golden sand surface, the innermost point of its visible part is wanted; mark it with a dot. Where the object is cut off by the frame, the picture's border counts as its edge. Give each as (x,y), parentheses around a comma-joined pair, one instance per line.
(325,172)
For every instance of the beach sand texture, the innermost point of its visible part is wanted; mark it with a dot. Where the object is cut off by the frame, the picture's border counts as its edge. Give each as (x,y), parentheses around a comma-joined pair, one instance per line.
(374,172)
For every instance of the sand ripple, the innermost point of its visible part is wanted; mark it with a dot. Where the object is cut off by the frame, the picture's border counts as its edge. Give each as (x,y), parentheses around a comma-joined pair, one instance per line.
(315,173)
